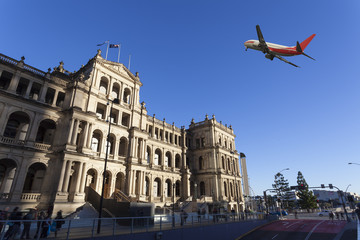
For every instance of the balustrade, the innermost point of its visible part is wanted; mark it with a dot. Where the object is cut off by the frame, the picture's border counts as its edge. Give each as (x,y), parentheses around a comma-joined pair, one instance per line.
(30,197)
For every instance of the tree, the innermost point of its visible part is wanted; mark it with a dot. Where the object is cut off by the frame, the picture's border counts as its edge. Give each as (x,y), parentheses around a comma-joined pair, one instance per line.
(282,187)
(307,200)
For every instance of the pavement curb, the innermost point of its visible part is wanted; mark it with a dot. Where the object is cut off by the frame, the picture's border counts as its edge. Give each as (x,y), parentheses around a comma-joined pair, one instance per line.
(245,234)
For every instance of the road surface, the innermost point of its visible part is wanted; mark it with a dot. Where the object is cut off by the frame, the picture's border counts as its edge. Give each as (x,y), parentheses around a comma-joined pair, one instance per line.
(297,229)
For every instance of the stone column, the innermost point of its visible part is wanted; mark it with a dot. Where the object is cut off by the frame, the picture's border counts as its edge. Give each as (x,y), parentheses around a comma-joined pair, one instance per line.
(83,178)
(75,132)
(67,177)
(89,136)
(28,89)
(43,92)
(78,177)
(14,82)
(3,116)
(61,180)
(86,132)
(116,147)
(71,130)
(55,98)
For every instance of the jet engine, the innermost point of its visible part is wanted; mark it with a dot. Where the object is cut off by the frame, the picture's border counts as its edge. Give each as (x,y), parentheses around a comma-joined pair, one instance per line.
(269,56)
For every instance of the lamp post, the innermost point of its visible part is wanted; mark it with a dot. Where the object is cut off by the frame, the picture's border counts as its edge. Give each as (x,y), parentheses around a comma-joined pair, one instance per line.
(173,211)
(353,163)
(281,203)
(116,101)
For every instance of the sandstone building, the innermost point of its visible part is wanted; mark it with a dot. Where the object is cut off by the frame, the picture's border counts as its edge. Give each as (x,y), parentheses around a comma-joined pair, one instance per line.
(53,142)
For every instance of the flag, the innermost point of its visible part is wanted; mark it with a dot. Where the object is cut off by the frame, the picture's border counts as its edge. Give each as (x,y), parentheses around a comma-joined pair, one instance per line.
(114,46)
(100,44)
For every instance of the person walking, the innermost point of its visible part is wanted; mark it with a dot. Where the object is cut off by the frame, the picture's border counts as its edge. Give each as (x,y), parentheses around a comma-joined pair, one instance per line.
(45,227)
(331,216)
(59,221)
(12,227)
(27,224)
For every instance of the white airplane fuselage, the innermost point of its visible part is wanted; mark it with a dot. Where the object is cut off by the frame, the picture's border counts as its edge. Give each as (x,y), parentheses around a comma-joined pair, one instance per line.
(274,48)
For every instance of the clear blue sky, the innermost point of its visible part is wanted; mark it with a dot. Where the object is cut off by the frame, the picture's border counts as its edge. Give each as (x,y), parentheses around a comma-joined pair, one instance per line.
(191,60)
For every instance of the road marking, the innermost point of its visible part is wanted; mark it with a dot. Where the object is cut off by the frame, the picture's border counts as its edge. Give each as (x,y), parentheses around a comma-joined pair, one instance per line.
(275,236)
(312,230)
(294,224)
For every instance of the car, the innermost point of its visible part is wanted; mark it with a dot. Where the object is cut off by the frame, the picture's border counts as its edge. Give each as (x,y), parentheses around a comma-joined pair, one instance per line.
(324,213)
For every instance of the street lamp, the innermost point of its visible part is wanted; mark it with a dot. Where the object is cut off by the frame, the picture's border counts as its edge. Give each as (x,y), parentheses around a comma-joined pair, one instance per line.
(116,101)
(353,163)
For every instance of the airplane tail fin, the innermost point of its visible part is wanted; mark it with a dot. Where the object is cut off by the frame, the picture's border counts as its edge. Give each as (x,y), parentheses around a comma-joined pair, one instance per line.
(304,44)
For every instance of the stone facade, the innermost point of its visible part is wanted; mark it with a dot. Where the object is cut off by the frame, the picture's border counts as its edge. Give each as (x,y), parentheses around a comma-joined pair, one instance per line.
(54,141)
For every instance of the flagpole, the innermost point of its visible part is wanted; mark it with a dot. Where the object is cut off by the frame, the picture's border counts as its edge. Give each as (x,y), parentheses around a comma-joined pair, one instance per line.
(119,52)
(107,49)
(129,61)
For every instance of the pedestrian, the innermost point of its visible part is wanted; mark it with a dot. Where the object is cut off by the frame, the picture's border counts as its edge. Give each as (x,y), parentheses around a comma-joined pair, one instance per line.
(27,224)
(233,214)
(331,216)
(199,215)
(182,218)
(337,215)
(342,216)
(203,212)
(12,228)
(59,221)
(296,216)
(40,219)
(45,227)
(3,217)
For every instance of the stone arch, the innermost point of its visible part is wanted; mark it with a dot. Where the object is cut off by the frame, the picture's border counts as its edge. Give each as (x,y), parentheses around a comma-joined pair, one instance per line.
(46,131)
(168,188)
(123,146)
(91,178)
(104,83)
(120,181)
(34,178)
(148,154)
(96,140)
(115,90)
(157,187)
(107,186)
(17,125)
(127,95)
(111,143)
(177,161)
(157,157)
(167,161)
(8,168)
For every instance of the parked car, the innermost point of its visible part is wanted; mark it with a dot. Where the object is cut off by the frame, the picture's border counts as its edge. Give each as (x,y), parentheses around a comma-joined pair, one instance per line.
(324,213)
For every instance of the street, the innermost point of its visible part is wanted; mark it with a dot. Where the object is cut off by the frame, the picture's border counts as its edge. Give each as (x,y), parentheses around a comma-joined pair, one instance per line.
(304,229)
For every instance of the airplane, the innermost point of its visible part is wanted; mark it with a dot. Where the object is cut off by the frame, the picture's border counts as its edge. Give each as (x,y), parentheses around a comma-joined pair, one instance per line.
(272,50)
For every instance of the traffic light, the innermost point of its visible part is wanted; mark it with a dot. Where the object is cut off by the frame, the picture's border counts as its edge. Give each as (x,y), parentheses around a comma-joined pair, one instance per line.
(331,186)
(322,185)
(294,187)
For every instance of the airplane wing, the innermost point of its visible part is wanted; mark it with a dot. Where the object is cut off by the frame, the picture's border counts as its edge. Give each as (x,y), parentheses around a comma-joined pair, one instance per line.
(284,60)
(262,43)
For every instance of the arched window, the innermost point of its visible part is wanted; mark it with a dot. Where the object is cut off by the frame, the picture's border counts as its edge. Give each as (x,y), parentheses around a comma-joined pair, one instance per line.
(157,187)
(147,186)
(157,157)
(123,147)
(168,188)
(177,161)
(34,178)
(111,144)
(46,131)
(127,94)
(177,188)
(115,91)
(120,181)
(225,189)
(167,159)
(103,85)
(96,141)
(17,126)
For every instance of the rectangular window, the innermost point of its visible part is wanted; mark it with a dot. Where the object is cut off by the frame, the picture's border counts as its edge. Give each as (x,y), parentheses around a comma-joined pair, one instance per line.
(35,91)
(60,99)
(49,97)
(197,143)
(125,119)
(100,111)
(5,80)
(22,86)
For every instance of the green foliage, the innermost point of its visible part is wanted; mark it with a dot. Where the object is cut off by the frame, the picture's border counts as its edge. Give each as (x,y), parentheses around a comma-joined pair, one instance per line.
(282,187)
(307,200)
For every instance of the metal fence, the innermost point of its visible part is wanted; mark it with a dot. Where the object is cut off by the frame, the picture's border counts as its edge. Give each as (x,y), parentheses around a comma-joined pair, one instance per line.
(87,227)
